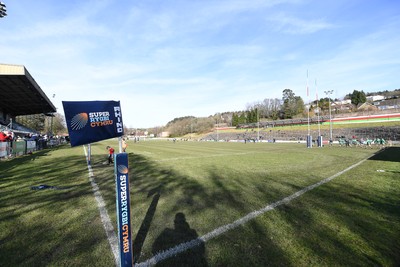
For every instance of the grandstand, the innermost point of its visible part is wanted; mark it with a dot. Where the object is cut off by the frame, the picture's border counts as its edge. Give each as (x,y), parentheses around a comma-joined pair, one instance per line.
(20,95)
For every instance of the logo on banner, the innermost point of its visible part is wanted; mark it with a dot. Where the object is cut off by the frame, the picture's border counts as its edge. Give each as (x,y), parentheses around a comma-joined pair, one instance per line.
(122,169)
(123,209)
(118,117)
(124,214)
(79,121)
(95,119)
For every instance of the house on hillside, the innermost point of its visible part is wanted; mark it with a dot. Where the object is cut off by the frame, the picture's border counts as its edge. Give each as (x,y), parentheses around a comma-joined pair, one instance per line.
(164,134)
(366,107)
(374,98)
(342,106)
(388,104)
(342,102)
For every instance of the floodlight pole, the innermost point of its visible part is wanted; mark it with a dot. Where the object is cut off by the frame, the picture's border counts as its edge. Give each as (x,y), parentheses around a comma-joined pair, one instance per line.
(309,137)
(217,130)
(3,10)
(258,127)
(120,144)
(319,126)
(328,93)
(51,120)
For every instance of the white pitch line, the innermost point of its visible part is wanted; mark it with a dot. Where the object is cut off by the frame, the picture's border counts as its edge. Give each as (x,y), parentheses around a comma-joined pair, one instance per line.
(105,219)
(220,230)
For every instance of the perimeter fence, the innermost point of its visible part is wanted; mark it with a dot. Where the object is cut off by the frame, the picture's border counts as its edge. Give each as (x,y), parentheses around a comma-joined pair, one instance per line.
(22,147)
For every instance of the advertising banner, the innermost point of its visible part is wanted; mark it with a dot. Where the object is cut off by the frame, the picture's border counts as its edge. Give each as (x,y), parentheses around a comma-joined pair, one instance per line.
(92,121)
(19,148)
(30,146)
(123,209)
(3,149)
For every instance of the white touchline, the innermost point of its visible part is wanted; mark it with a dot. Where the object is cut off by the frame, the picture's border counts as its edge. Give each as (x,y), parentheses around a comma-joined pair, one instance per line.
(220,230)
(105,219)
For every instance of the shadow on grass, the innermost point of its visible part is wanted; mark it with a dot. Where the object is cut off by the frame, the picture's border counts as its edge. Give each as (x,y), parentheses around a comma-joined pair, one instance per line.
(149,179)
(144,227)
(346,225)
(19,178)
(49,227)
(388,154)
(15,162)
(181,233)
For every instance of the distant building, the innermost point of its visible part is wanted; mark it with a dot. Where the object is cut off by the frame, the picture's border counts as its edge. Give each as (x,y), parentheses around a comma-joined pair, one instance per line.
(342,106)
(387,104)
(366,107)
(373,98)
(164,134)
(342,102)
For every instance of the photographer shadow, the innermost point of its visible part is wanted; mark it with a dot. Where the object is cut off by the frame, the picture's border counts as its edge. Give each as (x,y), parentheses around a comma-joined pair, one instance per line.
(181,233)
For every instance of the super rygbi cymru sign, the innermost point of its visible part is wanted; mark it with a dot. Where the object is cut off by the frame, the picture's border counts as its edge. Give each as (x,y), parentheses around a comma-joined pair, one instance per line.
(92,121)
(123,210)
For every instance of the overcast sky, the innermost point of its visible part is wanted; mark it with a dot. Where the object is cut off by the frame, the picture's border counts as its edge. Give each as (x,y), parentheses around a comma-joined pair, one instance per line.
(166,59)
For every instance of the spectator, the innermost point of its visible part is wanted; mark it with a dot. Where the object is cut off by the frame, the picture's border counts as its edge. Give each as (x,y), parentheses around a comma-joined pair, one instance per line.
(3,137)
(110,155)
(10,136)
(124,145)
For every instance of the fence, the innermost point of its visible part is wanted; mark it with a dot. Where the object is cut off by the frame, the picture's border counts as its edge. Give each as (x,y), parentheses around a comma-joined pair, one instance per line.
(23,147)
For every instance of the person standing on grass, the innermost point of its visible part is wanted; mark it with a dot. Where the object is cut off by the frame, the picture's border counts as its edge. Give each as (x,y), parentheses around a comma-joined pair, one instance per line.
(124,145)
(110,155)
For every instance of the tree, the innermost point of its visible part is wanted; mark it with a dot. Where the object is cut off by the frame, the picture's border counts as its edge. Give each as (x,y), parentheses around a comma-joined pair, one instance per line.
(251,115)
(323,103)
(242,118)
(358,97)
(292,105)
(185,125)
(235,119)
(272,107)
(268,108)
(35,122)
(55,124)
(299,105)
(226,117)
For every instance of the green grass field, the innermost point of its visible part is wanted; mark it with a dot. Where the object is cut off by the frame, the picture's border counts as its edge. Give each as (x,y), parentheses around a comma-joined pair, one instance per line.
(353,220)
